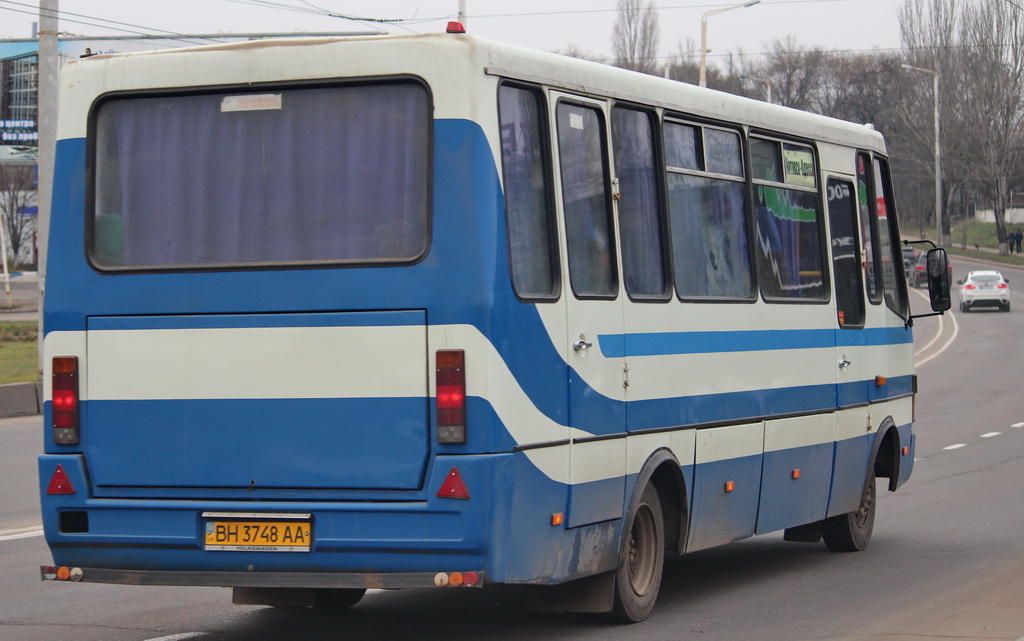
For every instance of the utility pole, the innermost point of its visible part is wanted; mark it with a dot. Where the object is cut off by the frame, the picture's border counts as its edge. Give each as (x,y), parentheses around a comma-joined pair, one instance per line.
(942,239)
(46,121)
(462,12)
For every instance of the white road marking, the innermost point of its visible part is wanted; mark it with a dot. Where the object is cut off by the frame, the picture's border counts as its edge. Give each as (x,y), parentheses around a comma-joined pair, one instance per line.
(955,447)
(990,434)
(1017,425)
(956,330)
(179,637)
(21,533)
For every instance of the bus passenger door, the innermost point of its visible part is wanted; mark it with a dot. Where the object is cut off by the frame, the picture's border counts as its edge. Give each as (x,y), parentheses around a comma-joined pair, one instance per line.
(594,314)
(853,371)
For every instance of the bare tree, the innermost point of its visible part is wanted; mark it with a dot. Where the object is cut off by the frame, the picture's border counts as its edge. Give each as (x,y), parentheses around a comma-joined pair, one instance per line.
(635,36)
(575,51)
(17,191)
(796,73)
(978,48)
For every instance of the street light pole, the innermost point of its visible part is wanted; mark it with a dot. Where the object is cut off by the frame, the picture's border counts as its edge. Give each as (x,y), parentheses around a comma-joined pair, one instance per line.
(767,84)
(704,36)
(942,238)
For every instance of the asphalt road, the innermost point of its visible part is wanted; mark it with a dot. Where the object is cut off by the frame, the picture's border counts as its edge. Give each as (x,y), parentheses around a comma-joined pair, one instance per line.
(946,561)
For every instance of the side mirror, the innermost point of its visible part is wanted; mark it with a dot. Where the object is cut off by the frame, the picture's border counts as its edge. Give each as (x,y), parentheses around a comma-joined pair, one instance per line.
(938,280)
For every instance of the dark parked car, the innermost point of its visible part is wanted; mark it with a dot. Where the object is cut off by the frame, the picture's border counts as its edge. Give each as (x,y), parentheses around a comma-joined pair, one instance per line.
(909,258)
(918,275)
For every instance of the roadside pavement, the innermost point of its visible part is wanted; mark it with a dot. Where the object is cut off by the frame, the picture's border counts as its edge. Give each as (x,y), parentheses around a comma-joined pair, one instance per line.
(20,399)
(24,297)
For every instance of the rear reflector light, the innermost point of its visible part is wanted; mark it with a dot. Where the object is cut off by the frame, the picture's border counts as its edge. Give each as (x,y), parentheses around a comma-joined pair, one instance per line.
(59,482)
(451,396)
(53,573)
(457,579)
(453,487)
(65,400)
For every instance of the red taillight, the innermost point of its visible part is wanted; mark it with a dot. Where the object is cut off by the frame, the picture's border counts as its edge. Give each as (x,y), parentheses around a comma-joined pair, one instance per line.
(451,396)
(969,287)
(65,400)
(920,268)
(1002,285)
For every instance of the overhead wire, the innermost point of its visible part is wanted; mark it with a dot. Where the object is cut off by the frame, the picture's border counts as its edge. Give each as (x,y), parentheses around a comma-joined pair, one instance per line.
(92,21)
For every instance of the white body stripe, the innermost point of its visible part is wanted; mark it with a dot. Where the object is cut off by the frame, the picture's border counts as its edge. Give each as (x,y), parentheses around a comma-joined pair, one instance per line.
(352,362)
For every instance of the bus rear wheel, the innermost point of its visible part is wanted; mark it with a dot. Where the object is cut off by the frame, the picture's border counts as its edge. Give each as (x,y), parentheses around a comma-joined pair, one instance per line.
(852,532)
(638,577)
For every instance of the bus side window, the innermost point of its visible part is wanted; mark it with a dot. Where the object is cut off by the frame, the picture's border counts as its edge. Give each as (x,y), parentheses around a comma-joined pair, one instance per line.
(865,198)
(533,252)
(842,217)
(583,162)
(893,285)
(790,264)
(640,223)
(707,210)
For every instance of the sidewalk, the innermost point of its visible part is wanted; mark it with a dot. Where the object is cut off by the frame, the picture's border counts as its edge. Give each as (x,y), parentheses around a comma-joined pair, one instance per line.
(20,399)
(24,297)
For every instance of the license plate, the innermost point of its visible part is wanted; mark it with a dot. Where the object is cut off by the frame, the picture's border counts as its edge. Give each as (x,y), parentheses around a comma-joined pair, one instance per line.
(258,535)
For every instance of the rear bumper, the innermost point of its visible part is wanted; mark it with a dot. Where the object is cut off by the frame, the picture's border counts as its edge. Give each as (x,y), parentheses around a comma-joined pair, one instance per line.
(987,300)
(355,543)
(332,580)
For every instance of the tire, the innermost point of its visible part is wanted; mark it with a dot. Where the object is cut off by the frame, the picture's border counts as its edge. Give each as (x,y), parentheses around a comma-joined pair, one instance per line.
(338,599)
(641,560)
(1005,307)
(964,308)
(852,532)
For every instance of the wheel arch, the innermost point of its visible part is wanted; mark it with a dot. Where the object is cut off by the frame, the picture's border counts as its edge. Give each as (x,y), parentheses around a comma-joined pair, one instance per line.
(886,454)
(663,470)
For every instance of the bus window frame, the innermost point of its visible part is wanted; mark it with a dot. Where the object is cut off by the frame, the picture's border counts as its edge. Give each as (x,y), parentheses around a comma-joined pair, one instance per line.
(547,152)
(876,254)
(861,292)
(601,108)
(823,239)
(892,220)
(91,187)
(689,120)
(657,132)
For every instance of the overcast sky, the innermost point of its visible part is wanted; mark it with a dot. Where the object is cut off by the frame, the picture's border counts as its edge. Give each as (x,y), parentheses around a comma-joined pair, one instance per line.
(540,24)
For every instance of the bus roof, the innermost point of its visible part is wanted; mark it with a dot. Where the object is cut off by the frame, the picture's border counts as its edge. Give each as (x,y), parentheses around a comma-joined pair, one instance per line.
(435,57)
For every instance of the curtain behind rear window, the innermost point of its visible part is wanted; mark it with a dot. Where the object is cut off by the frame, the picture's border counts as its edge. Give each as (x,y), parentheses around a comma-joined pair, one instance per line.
(295,175)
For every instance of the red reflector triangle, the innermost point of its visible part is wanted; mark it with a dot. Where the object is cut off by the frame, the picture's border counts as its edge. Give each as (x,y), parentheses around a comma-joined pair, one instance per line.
(453,487)
(59,483)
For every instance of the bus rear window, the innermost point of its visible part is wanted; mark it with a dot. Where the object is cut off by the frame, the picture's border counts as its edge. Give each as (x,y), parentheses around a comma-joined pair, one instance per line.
(311,175)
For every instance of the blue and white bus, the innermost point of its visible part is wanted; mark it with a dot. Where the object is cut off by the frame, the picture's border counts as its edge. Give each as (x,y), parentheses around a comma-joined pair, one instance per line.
(325,315)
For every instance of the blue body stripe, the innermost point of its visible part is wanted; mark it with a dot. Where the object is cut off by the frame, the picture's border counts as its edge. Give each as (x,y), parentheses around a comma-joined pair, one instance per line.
(677,343)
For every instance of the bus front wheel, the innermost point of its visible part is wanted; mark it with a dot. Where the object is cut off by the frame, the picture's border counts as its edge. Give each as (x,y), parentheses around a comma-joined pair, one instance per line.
(852,532)
(638,577)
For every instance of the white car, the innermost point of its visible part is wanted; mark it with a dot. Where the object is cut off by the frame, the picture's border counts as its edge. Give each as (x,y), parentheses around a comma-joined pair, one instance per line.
(984,289)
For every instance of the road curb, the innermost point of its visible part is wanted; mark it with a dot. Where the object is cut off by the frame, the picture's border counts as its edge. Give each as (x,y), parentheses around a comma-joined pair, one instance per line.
(20,399)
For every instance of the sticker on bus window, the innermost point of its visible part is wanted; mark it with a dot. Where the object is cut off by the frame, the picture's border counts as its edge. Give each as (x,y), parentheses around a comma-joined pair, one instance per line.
(252,102)
(798,164)
(576,121)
